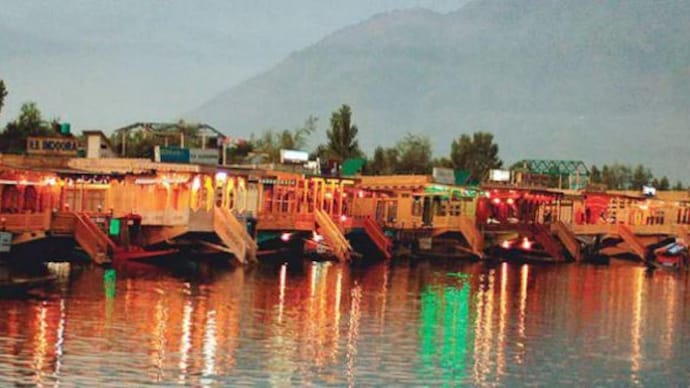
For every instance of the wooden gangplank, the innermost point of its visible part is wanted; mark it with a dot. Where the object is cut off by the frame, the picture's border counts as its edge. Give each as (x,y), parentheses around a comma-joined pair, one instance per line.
(474,237)
(376,234)
(543,236)
(92,239)
(233,235)
(633,242)
(333,235)
(568,239)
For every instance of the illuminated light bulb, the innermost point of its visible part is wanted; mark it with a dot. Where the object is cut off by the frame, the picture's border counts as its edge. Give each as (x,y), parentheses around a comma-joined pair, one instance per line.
(505,244)
(343,218)
(317,237)
(510,201)
(285,236)
(497,201)
(526,244)
(196,183)
(221,176)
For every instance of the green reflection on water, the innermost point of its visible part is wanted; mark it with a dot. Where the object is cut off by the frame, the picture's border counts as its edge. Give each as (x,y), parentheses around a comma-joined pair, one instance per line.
(109,280)
(443,331)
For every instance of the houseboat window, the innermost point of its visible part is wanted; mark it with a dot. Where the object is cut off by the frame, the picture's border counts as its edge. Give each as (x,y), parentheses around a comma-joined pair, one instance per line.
(10,199)
(30,198)
(93,200)
(417,206)
(392,211)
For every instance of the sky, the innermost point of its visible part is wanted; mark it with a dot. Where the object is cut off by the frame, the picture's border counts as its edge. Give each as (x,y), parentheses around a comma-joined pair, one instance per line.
(105,64)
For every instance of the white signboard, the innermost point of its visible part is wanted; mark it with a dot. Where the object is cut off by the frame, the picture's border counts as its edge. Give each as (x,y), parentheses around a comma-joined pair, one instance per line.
(293,156)
(203,156)
(499,175)
(5,242)
(445,176)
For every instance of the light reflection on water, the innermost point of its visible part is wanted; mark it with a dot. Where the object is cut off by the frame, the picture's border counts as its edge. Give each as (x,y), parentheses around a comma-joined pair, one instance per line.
(447,324)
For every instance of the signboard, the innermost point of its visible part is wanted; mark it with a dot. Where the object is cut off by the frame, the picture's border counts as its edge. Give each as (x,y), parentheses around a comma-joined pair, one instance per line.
(445,176)
(203,156)
(648,191)
(171,154)
(293,156)
(499,175)
(67,146)
(5,242)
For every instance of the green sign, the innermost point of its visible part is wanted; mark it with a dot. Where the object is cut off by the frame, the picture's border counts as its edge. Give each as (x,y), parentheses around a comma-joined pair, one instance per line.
(171,154)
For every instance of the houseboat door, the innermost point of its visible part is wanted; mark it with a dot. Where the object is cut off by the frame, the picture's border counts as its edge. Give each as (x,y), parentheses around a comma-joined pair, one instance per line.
(428,212)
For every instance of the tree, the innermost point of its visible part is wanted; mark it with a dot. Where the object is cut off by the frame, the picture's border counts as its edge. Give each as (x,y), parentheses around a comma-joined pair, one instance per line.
(342,137)
(29,123)
(3,94)
(664,184)
(678,186)
(616,176)
(383,163)
(414,155)
(270,143)
(640,177)
(477,154)
(595,175)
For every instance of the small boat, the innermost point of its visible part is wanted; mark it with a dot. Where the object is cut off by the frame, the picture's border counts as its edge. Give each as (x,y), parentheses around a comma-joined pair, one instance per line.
(13,285)
(670,254)
(522,250)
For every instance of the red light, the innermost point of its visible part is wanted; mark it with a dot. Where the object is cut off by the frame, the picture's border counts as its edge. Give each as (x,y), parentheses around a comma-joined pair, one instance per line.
(285,236)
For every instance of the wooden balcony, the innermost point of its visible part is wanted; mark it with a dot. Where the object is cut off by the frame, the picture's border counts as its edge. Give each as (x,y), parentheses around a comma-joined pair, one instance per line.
(25,222)
(286,221)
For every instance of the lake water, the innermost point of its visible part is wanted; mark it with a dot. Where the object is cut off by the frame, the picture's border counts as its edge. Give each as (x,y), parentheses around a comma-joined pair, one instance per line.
(450,324)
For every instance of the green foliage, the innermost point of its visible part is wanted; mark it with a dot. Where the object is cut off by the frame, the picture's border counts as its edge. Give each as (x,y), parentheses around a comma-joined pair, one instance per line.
(29,123)
(3,94)
(664,184)
(270,143)
(414,155)
(477,154)
(640,177)
(384,162)
(616,176)
(342,136)
(595,175)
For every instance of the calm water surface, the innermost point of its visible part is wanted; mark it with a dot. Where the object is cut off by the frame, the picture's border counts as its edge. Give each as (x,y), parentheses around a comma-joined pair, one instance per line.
(327,324)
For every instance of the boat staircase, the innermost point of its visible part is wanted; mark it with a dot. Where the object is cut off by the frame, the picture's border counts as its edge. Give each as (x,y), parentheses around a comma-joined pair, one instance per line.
(568,239)
(378,237)
(542,235)
(333,235)
(474,237)
(627,235)
(233,235)
(92,239)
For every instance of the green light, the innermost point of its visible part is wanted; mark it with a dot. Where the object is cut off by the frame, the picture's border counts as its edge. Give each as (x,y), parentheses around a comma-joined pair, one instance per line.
(114,229)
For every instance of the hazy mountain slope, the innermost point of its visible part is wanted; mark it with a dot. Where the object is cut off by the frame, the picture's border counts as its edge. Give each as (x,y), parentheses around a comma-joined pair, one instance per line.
(599,80)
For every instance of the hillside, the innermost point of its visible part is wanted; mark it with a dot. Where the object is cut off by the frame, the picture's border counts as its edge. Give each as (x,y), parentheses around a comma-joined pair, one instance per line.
(599,80)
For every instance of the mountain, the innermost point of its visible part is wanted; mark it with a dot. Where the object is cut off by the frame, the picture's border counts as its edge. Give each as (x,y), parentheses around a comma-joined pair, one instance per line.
(598,80)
